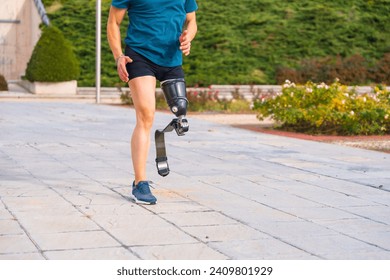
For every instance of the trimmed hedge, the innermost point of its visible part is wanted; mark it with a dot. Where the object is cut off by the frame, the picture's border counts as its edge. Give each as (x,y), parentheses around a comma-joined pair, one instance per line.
(3,83)
(53,59)
(244,42)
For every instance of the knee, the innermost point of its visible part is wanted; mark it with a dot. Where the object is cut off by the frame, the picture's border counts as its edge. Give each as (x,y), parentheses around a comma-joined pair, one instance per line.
(145,118)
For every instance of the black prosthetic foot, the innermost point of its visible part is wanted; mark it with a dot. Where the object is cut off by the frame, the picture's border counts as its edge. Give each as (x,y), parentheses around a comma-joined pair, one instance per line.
(180,125)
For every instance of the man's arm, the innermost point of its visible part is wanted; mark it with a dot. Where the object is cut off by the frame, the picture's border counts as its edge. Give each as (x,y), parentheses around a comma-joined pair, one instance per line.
(190,29)
(114,21)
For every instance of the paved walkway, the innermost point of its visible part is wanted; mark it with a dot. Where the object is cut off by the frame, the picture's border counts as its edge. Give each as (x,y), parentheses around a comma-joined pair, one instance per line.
(65,172)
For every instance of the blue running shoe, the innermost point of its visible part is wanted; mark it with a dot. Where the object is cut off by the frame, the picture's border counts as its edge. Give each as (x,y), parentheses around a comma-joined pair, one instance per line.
(142,193)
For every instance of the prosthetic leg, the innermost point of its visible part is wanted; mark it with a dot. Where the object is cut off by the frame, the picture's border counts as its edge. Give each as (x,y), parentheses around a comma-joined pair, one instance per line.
(175,94)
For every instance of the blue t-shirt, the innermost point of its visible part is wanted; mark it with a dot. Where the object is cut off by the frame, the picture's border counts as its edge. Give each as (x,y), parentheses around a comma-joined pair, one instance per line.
(155,27)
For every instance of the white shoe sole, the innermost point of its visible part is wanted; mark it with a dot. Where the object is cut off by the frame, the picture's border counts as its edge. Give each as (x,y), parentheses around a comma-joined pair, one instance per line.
(132,197)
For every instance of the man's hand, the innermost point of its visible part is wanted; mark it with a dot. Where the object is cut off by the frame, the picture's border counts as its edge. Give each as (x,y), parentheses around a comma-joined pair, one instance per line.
(121,62)
(185,43)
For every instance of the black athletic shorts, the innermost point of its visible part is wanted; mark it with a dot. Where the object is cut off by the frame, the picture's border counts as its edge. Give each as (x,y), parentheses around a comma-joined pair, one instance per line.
(141,66)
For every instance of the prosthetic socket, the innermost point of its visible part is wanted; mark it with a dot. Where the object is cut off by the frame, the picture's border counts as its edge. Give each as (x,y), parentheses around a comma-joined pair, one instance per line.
(176,96)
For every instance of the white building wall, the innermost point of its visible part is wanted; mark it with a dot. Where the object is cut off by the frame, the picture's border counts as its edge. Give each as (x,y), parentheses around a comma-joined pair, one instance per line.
(19,32)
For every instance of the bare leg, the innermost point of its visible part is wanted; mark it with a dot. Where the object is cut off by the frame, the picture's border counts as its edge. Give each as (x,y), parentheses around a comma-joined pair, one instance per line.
(143,95)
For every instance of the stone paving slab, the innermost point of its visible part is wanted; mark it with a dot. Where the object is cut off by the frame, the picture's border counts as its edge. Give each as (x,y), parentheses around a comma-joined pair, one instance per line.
(65,177)
(270,248)
(71,240)
(110,253)
(196,251)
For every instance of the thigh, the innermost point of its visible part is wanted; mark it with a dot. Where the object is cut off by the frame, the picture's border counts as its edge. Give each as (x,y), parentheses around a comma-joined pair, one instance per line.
(140,65)
(142,91)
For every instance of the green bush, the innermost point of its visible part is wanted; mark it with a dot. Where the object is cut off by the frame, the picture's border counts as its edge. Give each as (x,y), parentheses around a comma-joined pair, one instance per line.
(3,83)
(53,59)
(323,109)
